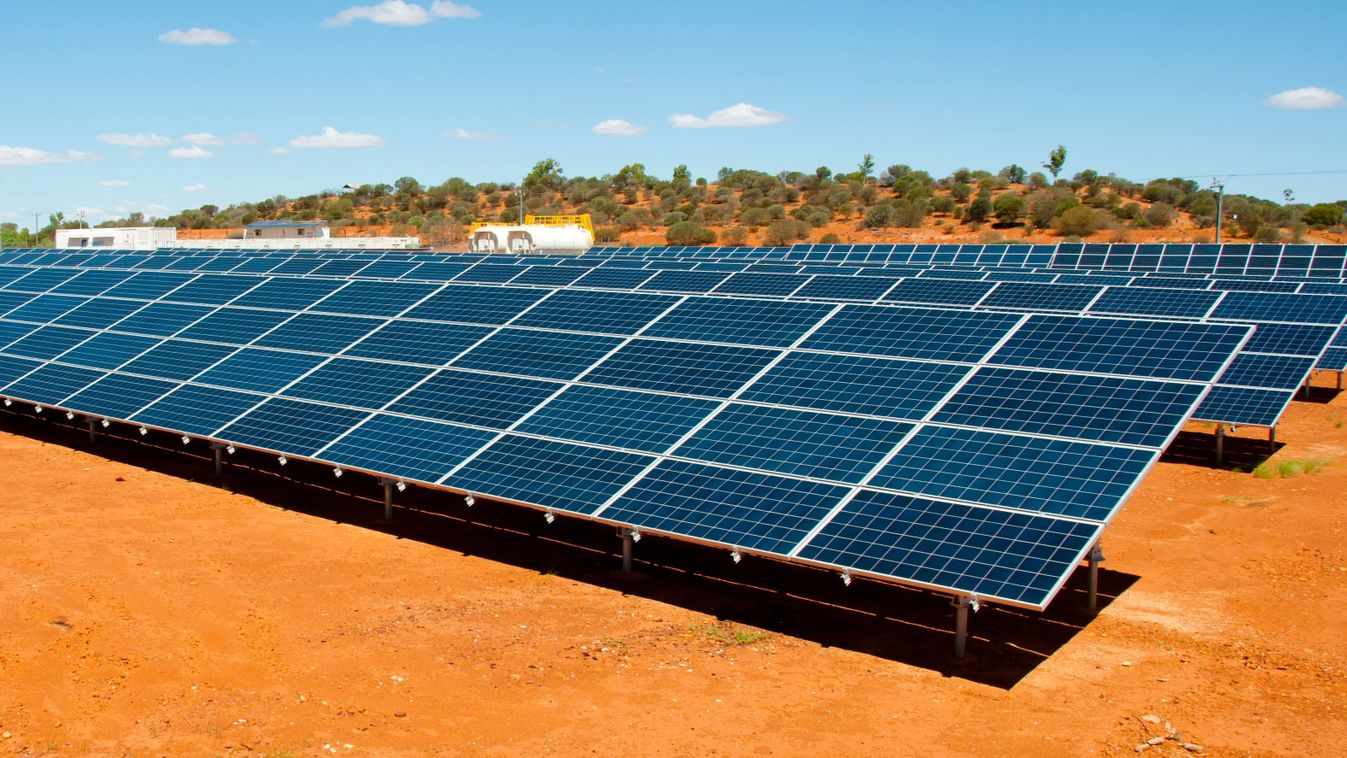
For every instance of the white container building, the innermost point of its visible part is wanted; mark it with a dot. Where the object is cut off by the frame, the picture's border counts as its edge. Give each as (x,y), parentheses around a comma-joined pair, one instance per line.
(123,237)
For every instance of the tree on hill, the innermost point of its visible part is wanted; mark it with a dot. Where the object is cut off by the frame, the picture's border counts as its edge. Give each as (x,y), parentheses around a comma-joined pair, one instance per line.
(689,233)
(1056,159)
(1323,214)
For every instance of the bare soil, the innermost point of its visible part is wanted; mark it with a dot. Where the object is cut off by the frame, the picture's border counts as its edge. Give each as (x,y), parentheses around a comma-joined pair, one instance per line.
(150,608)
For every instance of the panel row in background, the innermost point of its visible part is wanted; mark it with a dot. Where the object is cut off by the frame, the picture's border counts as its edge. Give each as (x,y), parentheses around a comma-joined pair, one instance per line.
(1234,259)
(1294,331)
(803,450)
(442,267)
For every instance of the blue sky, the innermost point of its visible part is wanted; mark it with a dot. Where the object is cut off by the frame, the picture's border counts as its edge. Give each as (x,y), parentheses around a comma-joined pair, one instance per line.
(109,102)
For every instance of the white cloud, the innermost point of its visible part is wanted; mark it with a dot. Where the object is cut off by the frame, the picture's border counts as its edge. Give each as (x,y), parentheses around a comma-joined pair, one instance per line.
(196,36)
(28,156)
(333,138)
(156,209)
(114,183)
(205,139)
(739,115)
(136,140)
(1305,99)
(446,9)
(401,13)
(198,187)
(390,12)
(464,134)
(279,151)
(616,127)
(246,138)
(195,151)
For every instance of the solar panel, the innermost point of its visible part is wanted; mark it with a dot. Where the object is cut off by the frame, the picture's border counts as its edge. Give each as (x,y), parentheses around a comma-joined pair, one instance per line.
(990,553)
(709,370)
(1106,409)
(771,323)
(801,443)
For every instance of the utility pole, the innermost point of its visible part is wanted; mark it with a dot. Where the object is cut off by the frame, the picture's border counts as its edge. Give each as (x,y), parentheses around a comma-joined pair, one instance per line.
(521,207)
(1219,186)
(36,239)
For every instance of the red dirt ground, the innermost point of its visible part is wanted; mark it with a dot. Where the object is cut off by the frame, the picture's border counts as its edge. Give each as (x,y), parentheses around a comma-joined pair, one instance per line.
(152,609)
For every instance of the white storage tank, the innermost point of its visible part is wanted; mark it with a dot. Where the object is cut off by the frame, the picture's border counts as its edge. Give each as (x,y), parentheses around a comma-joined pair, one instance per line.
(530,238)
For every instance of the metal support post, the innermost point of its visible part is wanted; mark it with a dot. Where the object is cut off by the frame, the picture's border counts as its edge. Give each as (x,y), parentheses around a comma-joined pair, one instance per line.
(388,484)
(1092,596)
(625,534)
(1220,444)
(218,448)
(93,433)
(1339,380)
(1272,439)
(961,605)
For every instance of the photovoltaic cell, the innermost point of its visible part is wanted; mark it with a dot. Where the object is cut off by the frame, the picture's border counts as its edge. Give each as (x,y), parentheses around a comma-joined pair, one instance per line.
(861,288)
(108,350)
(48,342)
(606,312)
(1155,301)
(1160,349)
(1041,297)
(213,289)
(1271,306)
(317,333)
(736,508)
(552,474)
(412,449)
(851,384)
(472,398)
(749,283)
(550,355)
(939,292)
(52,383)
(684,281)
(476,304)
(372,298)
(1289,339)
(1017,556)
(288,293)
(291,426)
(1078,479)
(618,418)
(235,326)
(118,396)
(912,332)
(694,369)
(1244,406)
(764,323)
(177,359)
(1268,371)
(161,319)
(798,443)
(364,384)
(259,370)
(100,313)
(1107,409)
(425,342)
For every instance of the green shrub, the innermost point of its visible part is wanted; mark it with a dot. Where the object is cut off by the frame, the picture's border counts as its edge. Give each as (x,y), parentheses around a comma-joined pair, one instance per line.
(785,232)
(1324,214)
(1160,215)
(879,216)
(1008,208)
(830,239)
(734,236)
(1079,221)
(689,233)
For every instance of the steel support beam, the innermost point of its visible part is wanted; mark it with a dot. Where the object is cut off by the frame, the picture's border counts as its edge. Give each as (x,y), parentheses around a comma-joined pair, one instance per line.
(93,430)
(1271,438)
(1092,595)
(961,605)
(218,448)
(625,534)
(1220,444)
(388,484)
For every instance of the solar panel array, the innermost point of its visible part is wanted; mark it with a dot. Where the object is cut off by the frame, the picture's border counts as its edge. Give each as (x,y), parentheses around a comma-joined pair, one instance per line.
(1294,332)
(970,451)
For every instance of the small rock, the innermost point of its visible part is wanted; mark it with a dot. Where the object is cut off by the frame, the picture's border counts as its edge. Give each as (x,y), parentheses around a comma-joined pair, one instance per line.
(400,714)
(6,735)
(1191,747)
(1127,663)
(1151,718)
